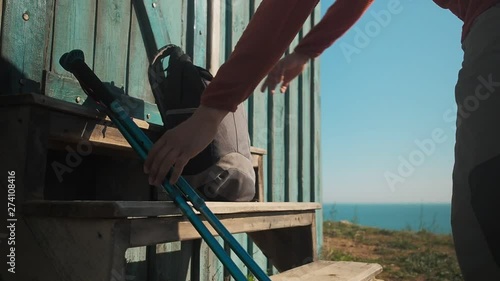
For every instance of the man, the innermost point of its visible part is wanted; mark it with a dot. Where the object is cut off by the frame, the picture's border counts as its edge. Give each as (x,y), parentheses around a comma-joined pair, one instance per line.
(257,54)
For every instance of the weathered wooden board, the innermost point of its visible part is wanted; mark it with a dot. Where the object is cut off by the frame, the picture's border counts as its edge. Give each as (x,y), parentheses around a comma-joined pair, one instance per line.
(277,150)
(178,229)
(1,14)
(305,120)
(26,31)
(137,69)
(154,24)
(331,271)
(74,28)
(240,16)
(210,268)
(197,31)
(174,260)
(292,136)
(316,142)
(112,34)
(277,242)
(259,134)
(305,79)
(136,267)
(140,209)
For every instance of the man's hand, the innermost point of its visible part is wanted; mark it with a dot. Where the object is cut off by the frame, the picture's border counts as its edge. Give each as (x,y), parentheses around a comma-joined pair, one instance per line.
(285,71)
(177,146)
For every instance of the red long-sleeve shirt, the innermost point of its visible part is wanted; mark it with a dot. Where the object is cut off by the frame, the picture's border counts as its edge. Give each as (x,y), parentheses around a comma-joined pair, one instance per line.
(277,22)
(467,10)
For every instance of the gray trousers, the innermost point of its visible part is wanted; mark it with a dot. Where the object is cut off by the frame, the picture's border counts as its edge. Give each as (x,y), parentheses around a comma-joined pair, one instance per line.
(477,140)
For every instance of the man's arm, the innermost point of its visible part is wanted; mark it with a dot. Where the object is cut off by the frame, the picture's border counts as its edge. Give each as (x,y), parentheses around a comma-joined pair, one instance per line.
(266,38)
(339,18)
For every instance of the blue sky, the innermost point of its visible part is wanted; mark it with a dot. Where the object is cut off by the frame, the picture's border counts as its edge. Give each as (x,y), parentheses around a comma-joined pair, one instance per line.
(397,90)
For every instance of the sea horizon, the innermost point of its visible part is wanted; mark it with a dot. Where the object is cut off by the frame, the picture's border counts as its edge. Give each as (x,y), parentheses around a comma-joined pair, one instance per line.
(433,217)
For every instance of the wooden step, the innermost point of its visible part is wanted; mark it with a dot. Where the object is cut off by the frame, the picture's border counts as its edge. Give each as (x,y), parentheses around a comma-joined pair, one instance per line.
(331,271)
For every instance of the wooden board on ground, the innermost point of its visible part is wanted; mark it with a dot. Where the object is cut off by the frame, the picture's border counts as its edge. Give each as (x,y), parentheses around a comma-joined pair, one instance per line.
(331,271)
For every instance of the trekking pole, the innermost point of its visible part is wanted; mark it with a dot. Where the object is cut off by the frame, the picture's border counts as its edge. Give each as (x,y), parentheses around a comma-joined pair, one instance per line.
(93,87)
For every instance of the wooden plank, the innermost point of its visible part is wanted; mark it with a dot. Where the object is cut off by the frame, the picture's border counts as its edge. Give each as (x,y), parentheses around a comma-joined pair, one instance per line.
(259,177)
(163,230)
(138,209)
(112,35)
(314,102)
(136,265)
(317,139)
(277,151)
(276,245)
(99,133)
(74,28)
(225,9)
(49,104)
(172,16)
(292,137)
(66,240)
(173,261)
(31,254)
(214,36)
(1,15)
(331,271)
(240,16)
(154,24)
(258,150)
(304,149)
(67,89)
(242,240)
(198,31)
(258,129)
(137,69)
(167,21)
(304,193)
(27,24)
(49,35)
(210,267)
(25,145)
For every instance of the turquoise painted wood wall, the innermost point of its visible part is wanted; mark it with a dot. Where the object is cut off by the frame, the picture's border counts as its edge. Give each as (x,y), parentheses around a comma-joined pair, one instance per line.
(35,33)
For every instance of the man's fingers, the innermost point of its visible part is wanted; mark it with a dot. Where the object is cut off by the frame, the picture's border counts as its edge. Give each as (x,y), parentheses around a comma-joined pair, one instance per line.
(273,78)
(284,85)
(153,153)
(177,170)
(163,168)
(264,86)
(158,158)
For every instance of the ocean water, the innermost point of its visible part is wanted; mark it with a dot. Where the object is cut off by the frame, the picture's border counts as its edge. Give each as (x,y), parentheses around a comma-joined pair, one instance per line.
(431,217)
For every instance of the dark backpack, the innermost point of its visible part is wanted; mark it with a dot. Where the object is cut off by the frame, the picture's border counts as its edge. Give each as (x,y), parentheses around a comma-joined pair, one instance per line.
(223,171)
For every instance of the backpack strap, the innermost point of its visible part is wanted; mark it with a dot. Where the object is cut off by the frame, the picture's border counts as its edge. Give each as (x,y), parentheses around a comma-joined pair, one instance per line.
(156,74)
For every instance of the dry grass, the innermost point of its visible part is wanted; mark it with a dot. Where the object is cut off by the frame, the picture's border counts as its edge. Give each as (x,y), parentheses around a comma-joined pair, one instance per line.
(405,255)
